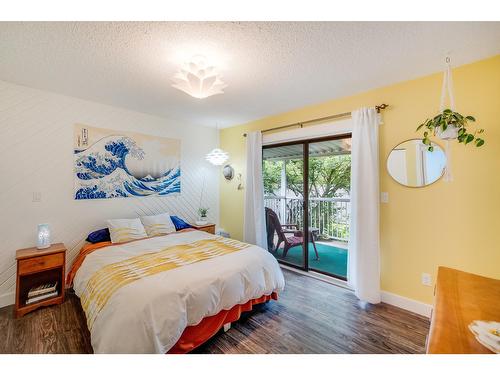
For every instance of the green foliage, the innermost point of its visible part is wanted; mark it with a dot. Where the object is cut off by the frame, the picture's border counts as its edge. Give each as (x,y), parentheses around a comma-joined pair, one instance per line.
(447,118)
(328,175)
(271,173)
(203,211)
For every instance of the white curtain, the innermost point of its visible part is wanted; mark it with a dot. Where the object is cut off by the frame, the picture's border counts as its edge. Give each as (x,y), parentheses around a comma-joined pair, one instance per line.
(364,246)
(254,229)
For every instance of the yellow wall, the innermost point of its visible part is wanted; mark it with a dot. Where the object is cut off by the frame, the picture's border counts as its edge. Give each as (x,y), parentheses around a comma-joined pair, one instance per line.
(456,224)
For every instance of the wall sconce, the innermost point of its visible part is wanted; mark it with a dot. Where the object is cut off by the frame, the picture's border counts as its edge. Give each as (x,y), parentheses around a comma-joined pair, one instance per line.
(228,172)
(43,239)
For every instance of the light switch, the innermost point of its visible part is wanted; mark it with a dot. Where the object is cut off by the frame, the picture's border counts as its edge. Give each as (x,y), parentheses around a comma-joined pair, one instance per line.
(426,279)
(37,196)
(384,197)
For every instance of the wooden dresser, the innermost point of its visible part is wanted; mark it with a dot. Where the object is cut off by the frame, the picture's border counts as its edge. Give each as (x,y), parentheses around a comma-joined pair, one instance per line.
(461,298)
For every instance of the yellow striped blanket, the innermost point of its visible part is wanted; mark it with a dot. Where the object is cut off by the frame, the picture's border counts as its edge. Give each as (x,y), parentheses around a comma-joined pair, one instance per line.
(110,278)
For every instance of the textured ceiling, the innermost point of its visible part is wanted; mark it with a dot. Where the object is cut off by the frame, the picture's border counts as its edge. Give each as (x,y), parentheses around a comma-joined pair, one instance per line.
(270,67)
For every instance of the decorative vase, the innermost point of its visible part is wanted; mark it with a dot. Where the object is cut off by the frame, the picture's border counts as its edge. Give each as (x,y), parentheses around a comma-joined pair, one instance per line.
(451,132)
(202,221)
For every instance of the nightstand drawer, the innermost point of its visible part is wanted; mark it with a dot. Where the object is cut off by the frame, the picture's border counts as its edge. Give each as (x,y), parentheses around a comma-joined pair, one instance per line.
(40,263)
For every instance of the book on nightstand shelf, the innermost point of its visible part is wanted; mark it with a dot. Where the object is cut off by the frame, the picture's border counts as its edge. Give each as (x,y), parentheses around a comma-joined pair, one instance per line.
(42,292)
(41,297)
(42,289)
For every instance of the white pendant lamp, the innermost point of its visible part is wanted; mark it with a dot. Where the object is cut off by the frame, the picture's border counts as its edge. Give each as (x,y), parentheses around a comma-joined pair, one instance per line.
(198,79)
(217,156)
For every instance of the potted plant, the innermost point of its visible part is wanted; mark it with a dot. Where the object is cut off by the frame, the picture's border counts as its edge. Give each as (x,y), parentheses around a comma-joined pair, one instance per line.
(450,125)
(203,215)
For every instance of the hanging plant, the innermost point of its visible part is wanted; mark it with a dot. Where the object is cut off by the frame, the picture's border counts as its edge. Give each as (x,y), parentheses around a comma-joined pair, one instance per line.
(450,125)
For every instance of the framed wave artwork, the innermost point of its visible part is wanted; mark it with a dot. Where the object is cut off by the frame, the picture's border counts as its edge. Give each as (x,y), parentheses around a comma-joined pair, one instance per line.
(112,164)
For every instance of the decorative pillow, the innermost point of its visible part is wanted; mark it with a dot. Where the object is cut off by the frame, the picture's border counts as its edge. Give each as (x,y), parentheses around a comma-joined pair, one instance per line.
(123,230)
(101,235)
(179,223)
(158,224)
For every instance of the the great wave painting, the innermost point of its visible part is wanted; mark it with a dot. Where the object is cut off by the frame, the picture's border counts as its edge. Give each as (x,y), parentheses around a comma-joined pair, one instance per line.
(111,164)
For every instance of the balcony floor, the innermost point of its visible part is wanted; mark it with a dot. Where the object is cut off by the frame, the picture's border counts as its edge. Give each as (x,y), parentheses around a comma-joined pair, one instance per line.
(332,257)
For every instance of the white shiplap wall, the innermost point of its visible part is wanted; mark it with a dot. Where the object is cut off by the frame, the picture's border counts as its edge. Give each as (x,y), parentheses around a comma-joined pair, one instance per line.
(36,155)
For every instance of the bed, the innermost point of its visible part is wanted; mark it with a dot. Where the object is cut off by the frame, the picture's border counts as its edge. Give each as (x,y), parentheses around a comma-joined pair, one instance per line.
(171,293)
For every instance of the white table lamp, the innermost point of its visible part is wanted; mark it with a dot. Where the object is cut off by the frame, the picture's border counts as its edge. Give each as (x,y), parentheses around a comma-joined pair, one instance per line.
(43,239)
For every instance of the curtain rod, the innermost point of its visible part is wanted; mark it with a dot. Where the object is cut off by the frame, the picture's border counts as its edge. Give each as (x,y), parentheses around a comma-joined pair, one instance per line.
(301,124)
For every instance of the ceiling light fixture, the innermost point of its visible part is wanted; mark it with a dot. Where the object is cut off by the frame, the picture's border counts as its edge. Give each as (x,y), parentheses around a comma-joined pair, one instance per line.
(199,79)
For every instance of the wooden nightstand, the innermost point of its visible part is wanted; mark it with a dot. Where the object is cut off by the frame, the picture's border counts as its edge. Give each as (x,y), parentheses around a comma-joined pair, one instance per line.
(36,267)
(209,228)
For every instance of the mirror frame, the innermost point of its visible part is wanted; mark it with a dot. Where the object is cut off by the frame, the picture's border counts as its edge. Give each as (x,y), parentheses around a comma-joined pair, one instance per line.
(408,186)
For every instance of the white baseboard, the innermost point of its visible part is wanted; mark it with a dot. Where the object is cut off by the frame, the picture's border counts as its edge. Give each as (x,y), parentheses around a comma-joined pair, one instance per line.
(404,303)
(7,299)
(416,307)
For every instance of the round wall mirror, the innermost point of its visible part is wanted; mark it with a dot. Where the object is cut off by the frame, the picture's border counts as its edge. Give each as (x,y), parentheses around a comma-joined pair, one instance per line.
(228,172)
(411,163)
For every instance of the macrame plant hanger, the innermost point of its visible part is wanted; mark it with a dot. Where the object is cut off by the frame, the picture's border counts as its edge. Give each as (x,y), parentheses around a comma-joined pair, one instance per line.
(447,136)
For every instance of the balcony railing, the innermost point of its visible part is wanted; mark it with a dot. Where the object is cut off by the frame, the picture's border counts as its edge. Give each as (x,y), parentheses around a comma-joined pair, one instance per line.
(329,215)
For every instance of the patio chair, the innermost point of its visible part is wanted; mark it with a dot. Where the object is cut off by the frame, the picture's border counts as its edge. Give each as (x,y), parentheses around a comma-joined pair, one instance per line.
(273,225)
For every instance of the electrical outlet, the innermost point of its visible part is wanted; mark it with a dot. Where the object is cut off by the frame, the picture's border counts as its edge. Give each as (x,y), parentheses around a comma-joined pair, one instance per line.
(384,197)
(37,196)
(426,279)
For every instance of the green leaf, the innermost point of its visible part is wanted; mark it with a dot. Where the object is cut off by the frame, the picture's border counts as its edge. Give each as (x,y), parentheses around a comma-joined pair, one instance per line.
(469,138)
(432,148)
(461,131)
(470,118)
(447,111)
(426,141)
(426,134)
(479,142)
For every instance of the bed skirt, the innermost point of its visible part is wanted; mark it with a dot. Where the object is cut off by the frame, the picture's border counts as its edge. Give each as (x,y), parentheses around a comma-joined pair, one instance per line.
(194,336)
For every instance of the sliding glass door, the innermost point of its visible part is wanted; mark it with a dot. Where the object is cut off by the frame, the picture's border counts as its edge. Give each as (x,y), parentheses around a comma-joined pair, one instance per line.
(283,173)
(329,164)
(322,205)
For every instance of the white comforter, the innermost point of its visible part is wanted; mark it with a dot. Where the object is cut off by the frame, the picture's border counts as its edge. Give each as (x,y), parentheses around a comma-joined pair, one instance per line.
(150,314)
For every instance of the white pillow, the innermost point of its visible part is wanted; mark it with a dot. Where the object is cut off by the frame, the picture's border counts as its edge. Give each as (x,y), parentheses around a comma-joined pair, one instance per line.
(158,224)
(123,230)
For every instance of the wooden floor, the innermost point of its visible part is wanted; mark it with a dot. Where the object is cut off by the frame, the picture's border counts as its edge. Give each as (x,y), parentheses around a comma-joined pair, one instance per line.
(311,316)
